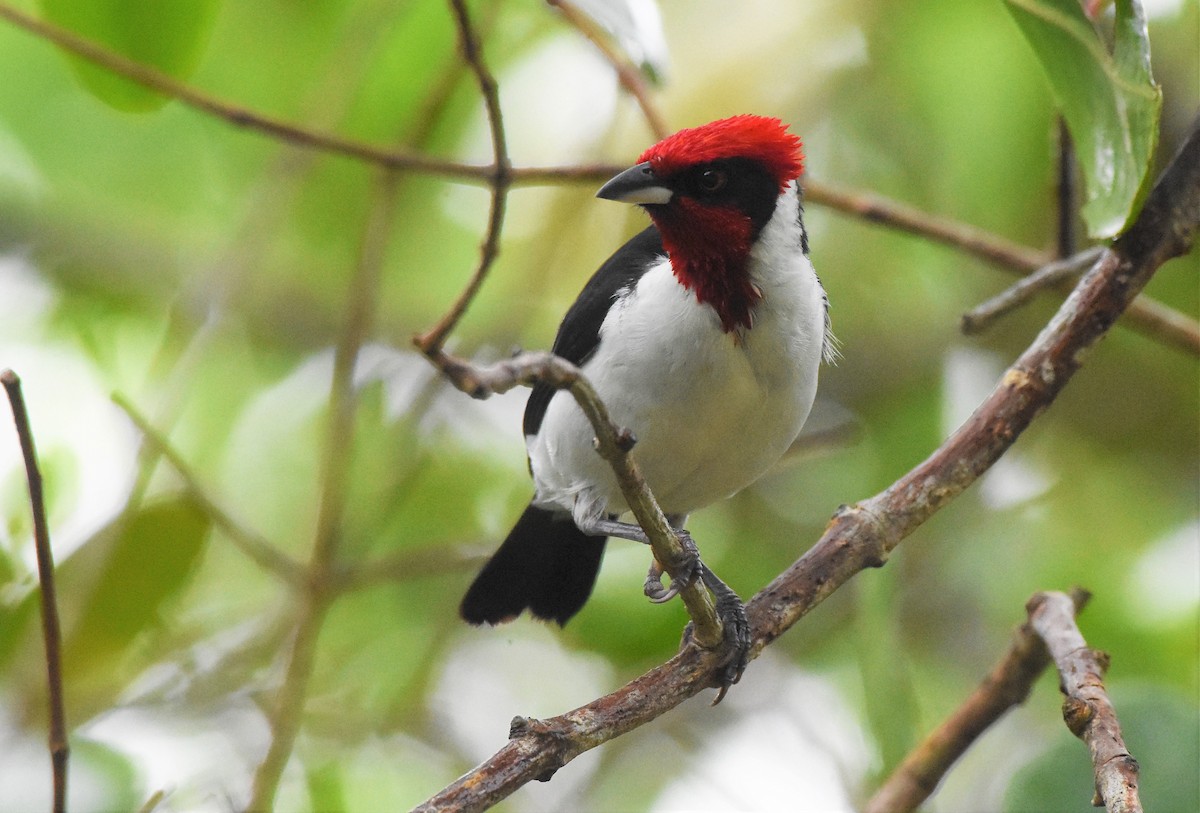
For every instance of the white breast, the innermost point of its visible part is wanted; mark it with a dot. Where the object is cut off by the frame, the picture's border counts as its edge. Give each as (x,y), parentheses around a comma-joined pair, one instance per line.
(712,411)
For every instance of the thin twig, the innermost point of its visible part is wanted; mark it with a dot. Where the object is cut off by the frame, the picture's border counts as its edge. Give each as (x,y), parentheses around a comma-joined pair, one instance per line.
(1087,711)
(406,566)
(287,132)
(153,802)
(862,536)
(1007,685)
(1163,324)
(432,340)
(1147,316)
(257,548)
(236,115)
(981,317)
(51,631)
(318,594)
(878,209)
(628,74)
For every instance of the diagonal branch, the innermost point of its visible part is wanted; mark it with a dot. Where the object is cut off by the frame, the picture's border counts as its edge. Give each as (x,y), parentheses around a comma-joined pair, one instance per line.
(256,548)
(1086,708)
(287,132)
(862,536)
(156,80)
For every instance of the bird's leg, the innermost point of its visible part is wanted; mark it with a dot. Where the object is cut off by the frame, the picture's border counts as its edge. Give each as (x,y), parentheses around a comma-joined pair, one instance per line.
(730,608)
(689,565)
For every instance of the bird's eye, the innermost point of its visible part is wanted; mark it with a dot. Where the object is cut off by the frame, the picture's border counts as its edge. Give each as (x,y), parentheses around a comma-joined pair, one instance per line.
(711,180)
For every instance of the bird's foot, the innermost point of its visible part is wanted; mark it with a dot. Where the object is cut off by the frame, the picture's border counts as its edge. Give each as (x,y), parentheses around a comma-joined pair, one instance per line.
(689,567)
(734,652)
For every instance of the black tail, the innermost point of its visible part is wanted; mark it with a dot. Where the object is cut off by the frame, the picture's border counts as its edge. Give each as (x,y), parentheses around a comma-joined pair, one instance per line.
(546,565)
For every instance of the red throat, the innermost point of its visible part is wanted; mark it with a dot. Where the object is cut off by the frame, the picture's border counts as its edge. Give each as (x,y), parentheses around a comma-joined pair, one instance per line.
(710,250)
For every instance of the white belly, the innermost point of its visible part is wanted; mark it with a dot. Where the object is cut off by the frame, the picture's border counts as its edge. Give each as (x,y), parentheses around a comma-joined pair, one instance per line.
(711,413)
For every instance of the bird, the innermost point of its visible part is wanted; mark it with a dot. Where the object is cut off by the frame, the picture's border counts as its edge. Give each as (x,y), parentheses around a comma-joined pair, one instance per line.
(703,336)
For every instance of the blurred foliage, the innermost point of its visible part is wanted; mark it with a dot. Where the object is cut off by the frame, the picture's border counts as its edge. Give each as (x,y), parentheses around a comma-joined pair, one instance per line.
(170,38)
(202,271)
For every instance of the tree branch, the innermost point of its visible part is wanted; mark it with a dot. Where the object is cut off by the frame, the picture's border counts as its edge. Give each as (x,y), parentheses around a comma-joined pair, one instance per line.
(1008,684)
(861,536)
(1087,711)
(878,209)
(289,133)
(1147,316)
(51,632)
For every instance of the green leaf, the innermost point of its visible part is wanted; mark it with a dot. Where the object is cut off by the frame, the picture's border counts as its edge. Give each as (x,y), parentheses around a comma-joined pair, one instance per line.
(149,557)
(1108,99)
(168,36)
(110,590)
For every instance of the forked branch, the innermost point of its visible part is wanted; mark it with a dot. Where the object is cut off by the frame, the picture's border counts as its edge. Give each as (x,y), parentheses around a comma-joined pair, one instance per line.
(1007,685)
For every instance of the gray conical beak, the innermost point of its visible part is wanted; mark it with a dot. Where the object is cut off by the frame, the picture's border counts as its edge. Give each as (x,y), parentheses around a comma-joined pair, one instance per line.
(637,184)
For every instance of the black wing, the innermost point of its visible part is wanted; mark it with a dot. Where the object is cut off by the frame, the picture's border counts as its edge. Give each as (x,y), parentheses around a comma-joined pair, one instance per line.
(579,332)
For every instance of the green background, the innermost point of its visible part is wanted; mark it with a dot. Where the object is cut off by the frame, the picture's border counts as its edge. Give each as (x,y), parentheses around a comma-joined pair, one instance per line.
(202,272)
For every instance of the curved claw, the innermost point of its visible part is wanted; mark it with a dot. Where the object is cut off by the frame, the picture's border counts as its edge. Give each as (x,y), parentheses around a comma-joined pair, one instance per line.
(737,633)
(662,595)
(692,567)
(653,588)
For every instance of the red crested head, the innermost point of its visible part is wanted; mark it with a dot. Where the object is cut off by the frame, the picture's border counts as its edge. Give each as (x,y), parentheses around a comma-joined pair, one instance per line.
(762,139)
(710,190)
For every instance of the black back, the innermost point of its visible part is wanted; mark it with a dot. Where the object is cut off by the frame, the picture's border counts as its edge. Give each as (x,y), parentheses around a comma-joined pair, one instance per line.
(579,333)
